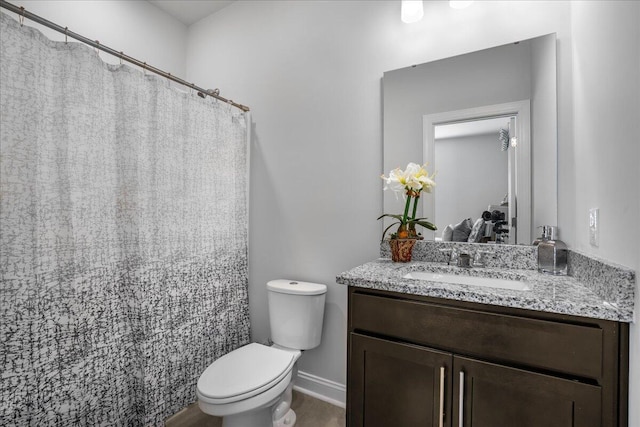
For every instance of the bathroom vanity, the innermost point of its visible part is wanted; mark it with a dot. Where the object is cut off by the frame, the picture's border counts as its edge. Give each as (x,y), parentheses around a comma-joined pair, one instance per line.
(425,353)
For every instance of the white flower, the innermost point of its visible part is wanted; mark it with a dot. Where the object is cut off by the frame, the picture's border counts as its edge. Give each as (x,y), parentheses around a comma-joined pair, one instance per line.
(410,183)
(414,178)
(426,181)
(396,181)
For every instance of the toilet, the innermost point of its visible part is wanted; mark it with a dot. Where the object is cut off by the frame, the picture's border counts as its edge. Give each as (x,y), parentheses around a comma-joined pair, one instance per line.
(252,385)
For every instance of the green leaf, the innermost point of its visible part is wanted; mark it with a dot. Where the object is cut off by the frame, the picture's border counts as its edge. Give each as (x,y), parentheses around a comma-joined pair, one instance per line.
(398,217)
(387,229)
(426,224)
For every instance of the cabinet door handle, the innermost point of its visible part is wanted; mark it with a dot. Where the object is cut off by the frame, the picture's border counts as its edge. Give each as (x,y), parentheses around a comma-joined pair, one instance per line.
(441,423)
(461,401)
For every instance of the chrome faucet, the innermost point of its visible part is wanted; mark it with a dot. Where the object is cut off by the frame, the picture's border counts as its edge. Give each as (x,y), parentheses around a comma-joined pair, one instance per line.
(451,254)
(478,258)
(464,260)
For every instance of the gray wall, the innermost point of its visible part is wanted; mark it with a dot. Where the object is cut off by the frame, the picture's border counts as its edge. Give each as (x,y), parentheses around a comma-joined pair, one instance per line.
(311,72)
(606,150)
(136,28)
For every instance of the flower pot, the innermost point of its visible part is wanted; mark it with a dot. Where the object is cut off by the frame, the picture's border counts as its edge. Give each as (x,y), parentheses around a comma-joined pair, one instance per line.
(401,249)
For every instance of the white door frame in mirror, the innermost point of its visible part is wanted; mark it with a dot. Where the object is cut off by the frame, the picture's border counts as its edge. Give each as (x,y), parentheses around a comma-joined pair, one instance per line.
(522,198)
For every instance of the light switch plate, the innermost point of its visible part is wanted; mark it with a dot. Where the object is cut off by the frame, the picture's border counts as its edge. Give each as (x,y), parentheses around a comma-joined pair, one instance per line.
(594,227)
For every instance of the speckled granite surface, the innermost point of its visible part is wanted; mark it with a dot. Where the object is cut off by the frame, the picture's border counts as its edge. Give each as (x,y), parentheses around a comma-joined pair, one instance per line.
(554,294)
(504,256)
(613,283)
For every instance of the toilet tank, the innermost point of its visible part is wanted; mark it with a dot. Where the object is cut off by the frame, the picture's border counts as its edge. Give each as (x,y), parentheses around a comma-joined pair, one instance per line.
(296,313)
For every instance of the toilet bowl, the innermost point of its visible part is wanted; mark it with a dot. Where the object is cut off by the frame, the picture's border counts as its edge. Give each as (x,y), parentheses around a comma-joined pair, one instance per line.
(251,386)
(244,386)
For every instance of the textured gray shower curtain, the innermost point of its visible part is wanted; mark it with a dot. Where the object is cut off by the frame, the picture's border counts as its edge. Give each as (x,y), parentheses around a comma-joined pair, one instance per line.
(123,245)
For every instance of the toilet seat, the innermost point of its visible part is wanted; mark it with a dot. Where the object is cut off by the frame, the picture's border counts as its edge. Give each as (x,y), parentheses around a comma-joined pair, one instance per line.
(244,373)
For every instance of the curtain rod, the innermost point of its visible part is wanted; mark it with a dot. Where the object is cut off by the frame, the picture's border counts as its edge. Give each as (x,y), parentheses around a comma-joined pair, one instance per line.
(96,44)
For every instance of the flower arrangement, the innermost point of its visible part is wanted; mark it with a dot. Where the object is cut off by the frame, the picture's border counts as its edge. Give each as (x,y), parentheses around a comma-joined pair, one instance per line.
(411,182)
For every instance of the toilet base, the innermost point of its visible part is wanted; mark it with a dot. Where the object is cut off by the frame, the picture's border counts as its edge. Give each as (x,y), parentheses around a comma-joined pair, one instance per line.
(283,415)
(289,420)
(261,417)
(278,413)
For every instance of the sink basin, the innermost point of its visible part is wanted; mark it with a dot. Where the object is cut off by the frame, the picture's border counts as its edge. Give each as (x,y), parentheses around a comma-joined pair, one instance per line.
(469,280)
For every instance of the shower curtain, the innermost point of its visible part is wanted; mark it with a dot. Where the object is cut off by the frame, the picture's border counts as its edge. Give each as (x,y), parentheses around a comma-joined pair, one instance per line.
(123,237)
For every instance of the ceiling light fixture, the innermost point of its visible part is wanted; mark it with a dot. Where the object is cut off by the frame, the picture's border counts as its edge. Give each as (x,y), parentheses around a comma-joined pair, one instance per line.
(411,11)
(457,4)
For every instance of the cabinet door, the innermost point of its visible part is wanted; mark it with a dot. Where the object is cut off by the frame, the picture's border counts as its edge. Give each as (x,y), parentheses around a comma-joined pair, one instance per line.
(396,384)
(495,395)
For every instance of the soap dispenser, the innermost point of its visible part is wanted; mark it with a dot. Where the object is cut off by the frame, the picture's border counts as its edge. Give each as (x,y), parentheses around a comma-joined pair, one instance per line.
(552,253)
(545,234)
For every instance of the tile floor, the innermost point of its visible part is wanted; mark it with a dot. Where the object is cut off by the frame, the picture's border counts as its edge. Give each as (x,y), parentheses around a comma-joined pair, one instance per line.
(311,412)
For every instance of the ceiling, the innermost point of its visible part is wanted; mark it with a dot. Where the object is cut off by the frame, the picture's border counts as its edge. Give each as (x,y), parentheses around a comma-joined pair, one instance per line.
(475,127)
(190,11)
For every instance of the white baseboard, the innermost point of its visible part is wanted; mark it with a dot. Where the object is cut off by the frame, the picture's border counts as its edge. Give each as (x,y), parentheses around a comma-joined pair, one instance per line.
(321,388)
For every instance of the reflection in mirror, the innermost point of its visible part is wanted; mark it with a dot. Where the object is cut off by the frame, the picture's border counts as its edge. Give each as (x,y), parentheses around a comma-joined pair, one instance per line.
(485,144)
(508,221)
(524,71)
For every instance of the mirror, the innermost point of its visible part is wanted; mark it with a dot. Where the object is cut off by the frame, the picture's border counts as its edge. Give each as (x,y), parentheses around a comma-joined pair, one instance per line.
(515,81)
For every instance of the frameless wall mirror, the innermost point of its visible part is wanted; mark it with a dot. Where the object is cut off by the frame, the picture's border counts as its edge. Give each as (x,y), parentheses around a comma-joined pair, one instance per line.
(486,122)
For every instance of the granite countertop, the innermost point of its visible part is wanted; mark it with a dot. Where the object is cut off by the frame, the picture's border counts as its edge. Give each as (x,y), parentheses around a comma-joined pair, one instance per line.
(553,294)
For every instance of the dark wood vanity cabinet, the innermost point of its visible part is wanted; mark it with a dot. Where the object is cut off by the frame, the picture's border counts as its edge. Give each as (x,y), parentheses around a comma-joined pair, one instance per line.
(419,361)
(395,384)
(496,395)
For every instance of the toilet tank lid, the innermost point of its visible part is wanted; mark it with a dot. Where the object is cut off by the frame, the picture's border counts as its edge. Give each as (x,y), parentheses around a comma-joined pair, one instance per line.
(295,287)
